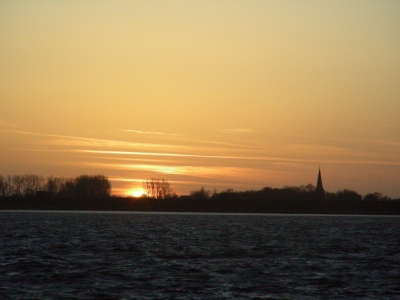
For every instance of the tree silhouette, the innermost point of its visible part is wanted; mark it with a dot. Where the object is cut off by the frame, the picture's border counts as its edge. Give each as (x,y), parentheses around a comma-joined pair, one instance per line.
(18,182)
(3,186)
(96,186)
(348,195)
(158,188)
(201,194)
(373,197)
(53,184)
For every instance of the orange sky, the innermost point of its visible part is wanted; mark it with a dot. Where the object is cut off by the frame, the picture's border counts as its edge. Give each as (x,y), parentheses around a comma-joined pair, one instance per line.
(224,94)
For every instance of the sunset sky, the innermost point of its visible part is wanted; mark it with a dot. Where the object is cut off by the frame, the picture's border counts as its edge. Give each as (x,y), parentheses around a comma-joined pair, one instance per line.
(220,94)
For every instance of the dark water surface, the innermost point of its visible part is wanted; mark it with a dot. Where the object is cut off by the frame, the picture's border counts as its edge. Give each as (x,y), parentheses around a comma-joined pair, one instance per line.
(178,256)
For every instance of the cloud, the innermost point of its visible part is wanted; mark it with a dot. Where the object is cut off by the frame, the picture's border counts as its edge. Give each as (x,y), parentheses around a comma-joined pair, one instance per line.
(314,137)
(134,159)
(235,130)
(196,171)
(66,140)
(255,158)
(181,138)
(141,180)
(180,144)
(150,132)
(382,142)
(84,142)
(210,142)
(141,153)
(126,179)
(318,149)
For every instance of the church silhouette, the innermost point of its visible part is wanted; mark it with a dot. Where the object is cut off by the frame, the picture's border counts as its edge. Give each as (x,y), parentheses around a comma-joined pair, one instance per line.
(319,191)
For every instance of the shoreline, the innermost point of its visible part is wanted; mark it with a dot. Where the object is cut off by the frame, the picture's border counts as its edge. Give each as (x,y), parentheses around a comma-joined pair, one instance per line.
(115,212)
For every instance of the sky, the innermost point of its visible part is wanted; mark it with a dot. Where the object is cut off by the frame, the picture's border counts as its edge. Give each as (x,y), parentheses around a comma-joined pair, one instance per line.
(214,94)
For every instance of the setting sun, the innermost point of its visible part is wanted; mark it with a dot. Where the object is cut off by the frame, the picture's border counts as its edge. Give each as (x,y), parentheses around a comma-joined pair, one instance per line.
(137,192)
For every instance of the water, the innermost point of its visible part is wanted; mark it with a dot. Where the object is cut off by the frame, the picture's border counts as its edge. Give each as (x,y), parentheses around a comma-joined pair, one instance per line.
(189,256)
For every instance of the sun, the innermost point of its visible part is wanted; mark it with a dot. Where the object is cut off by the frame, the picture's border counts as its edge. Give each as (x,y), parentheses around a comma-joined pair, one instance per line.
(136,192)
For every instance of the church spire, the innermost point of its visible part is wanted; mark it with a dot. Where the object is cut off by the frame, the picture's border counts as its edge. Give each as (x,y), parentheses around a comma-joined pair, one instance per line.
(320,190)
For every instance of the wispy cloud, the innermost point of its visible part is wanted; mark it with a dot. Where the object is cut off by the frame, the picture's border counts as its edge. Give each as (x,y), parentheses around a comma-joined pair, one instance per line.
(180,143)
(126,179)
(211,142)
(66,140)
(181,138)
(125,159)
(272,160)
(73,141)
(318,149)
(376,141)
(255,158)
(361,160)
(161,154)
(235,130)
(381,142)
(141,180)
(150,132)
(196,171)
(314,137)
(118,147)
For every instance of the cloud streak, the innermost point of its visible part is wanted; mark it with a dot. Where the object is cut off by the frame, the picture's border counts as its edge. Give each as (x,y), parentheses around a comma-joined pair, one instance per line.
(163,154)
(73,141)
(235,130)
(194,171)
(151,132)
(255,158)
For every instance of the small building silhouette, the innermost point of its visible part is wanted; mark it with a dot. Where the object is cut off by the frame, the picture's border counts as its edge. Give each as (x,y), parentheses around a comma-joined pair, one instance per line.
(319,191)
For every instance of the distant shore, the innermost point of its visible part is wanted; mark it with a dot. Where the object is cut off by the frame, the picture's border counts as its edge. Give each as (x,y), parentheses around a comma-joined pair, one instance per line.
(93,193)
(232,204)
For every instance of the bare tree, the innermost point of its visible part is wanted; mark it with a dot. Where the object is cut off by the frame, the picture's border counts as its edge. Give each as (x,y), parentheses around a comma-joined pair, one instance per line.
(18,182)
(149,188)
(164,190)
(28,184)
(39,183)
(158,188)
(32,184)
(53,184)
(9,185)
(3,186)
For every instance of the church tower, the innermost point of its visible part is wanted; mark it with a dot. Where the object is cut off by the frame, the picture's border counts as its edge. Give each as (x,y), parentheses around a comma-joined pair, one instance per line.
(319,191)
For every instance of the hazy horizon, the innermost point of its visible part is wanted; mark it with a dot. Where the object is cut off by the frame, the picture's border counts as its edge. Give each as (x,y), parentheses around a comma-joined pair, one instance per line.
(227,94)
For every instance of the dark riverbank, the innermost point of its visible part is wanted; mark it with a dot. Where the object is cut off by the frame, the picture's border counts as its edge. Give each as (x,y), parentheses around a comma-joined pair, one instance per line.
(230,203)
(32,192)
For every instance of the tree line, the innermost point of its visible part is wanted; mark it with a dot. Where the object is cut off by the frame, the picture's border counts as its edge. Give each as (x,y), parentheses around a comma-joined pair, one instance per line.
(289,199)
(294,192)
(94,193)
(83,186)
